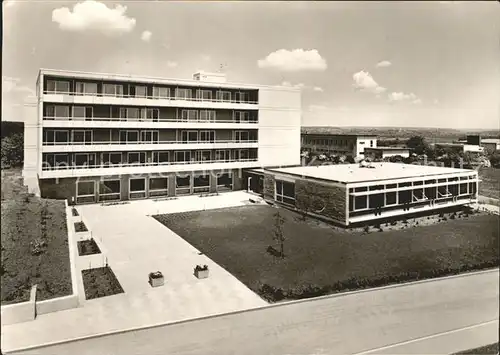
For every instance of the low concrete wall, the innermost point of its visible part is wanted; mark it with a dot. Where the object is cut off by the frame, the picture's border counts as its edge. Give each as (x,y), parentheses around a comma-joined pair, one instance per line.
(57,304)
(20,312)
(488,201)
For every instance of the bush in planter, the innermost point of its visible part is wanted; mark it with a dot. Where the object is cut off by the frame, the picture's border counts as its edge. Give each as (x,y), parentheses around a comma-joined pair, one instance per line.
(201,272)
(156,278)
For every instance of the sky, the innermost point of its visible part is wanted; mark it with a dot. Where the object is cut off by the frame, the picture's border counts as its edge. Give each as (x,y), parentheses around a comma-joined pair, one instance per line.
(402,64)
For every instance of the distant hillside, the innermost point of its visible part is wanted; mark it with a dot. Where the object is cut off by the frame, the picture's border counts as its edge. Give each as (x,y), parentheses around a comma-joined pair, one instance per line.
(9,128)
(431,134)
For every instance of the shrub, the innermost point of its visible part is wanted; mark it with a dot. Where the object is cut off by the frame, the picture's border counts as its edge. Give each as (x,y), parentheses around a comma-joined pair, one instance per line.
(38,246)
(366,229)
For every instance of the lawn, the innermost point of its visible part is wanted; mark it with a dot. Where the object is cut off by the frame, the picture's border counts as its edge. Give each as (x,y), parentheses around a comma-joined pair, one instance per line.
(484,350)
(34,244)
(322,259)
(100,282)
(490,184)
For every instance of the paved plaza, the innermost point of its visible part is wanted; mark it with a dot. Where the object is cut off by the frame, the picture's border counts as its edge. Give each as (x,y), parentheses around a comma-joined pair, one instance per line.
(135,244)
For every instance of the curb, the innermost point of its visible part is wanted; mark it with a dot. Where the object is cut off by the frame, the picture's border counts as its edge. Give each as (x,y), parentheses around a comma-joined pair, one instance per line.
(280,304)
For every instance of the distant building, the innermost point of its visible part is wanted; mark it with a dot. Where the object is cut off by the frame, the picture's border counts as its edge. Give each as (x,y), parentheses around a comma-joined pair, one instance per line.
(461,147)
(352,145)
(490,144)
(386,152)
(351,194)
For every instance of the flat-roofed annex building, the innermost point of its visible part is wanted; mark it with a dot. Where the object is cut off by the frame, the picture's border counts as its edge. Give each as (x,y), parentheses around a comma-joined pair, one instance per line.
(351,145)
(356,194)
(100,137)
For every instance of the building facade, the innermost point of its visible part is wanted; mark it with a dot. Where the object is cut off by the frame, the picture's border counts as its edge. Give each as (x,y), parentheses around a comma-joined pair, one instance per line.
(338,144)
(386,152)
(352,194)
(101,137)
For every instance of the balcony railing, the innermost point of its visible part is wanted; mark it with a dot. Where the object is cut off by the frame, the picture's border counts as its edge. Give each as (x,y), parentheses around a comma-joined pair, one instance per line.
(131,119)
(150,142)
(64,166)
(169,98)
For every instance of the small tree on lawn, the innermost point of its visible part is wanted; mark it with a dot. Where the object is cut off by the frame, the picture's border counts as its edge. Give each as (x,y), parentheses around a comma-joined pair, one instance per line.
(279,235)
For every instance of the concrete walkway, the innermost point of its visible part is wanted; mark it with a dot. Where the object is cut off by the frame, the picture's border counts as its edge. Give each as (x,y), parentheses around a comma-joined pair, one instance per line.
(135,245)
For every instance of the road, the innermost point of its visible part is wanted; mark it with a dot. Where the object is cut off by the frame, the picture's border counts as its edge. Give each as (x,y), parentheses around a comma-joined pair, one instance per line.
(440,316)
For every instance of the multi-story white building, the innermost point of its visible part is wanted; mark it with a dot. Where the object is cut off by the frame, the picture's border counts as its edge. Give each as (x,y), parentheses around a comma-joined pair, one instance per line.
(100,137)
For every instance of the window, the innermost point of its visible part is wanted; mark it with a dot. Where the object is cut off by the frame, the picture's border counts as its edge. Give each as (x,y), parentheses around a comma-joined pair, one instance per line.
(418,183)
(81,136)
(158,187)
(189,115)
(138,91)
(390,198)
(182,156)
(161,157)
(58,86)
(207,115)
(463,189)
(129,136)
(189,136)
(207,136)
(376,187)
(112,90)
(222,155)
(133,112)
(150,114)
(61,111)
(85,188)
(391,186)
(61,137)
(136,157)
(404,184)
(361,189)
(109,190)
(82,112)
(225,181)
(86,88)
(242,136)
(285,192)
(182,184)
(161,92)
(371,143)
(137,188)
(223,96)
(376,200)
(242,116)
(149,136)
(203,155)
(111,158)
(360,203)
(201,183)
(183,94)
(204,95)
(84,159)
(429,182)
(241,97)
(242,154)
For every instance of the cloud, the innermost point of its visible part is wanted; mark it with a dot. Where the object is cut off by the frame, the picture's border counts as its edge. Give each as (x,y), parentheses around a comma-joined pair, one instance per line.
(364,81)
(383,64)
(294,60)
(401,96)
(318,89)
(91,15)
(205,57)
(146,36)
(172,64)
(436,102)
(289,84)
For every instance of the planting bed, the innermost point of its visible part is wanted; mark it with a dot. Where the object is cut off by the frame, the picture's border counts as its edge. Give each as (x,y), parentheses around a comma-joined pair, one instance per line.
(322,259)
(88,247)
(100,282)
(491,349)
(80,227)
(34,244)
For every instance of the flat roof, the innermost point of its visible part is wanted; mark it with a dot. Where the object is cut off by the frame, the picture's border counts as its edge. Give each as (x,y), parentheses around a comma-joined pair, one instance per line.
(337,134)
(387,148)
(351,173)
(490,140)
(157,80)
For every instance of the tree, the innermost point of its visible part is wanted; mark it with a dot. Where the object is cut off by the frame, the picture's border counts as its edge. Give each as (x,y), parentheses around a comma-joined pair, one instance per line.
(279,235)
(495,159)
(418,145)
(13,150)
